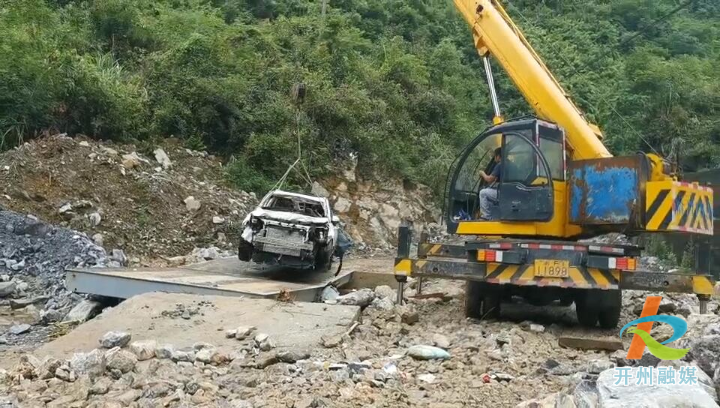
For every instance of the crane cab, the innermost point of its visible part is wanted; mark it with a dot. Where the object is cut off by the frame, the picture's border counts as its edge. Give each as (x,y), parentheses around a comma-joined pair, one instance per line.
(530,192)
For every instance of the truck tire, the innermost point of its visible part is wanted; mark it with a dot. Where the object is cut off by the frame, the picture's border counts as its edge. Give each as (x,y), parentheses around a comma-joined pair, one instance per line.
(609,315)
(473,299)
(586,308)
(481,301)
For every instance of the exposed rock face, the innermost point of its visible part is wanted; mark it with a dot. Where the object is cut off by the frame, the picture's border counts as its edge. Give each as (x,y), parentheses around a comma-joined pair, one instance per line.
(373,211)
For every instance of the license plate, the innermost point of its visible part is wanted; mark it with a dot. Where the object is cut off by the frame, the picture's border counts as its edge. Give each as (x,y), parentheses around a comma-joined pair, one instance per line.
(551,268)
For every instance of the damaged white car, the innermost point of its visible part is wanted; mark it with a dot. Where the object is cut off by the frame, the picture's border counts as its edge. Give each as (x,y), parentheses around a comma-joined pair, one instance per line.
(293,230)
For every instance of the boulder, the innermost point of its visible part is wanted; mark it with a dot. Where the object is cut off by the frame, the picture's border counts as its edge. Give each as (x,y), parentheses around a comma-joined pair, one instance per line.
(441,341)
(91,364)
(318,190)
(162,158)
(115,339)
(705,351)
(382,303)
(7,288)
(83,311)
(119,359)
(164,351)
(362,298)
(385,291)
(143,350)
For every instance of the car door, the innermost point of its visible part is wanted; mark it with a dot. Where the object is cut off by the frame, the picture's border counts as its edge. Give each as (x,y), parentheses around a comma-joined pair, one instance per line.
(525,192)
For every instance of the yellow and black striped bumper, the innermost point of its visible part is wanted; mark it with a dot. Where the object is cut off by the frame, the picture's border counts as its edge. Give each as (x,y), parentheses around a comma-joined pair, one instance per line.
(579,277)
(677,206)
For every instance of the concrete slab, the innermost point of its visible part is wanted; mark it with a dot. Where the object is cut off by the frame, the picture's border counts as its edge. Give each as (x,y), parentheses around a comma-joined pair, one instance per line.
(154,316)
(225,276)
(230,277)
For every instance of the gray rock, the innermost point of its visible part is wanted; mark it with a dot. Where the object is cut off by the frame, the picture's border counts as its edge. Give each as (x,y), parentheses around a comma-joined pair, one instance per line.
(705,351)
(162,158)
(98,239)
(118,255)
(191,204)
(318,190)
(422,352)
(598,366)
(265,360)
(95,219)
(291,356)
(20,329)
(537,328)
(7,288)
(408,314)
(158,390)
(65,373)
(441,341)
(242,332)
(83,311)
(504,377)
(202,345)
(385,291)
(143,350)
(331,341)
(121,360)
(206,355)
(382,304)
(47,368)
(658,395)
(101,386)
(115,339)
(362,298)
(164,351)
(186,355)
(16,304)
(18,266)
(91,364)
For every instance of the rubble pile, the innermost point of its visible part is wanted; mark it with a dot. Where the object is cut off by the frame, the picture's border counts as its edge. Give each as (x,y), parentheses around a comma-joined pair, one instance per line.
(423,353)
(33,258)
(153,202)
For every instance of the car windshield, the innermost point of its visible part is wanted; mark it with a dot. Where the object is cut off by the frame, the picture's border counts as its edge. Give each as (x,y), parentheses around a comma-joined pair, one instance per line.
(295,205)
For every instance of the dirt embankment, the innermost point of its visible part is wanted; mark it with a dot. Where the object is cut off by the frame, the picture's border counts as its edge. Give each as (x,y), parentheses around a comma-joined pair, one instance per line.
(151,202)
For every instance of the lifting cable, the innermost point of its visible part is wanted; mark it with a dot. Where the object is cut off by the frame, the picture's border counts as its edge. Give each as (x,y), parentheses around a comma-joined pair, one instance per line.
(298,94)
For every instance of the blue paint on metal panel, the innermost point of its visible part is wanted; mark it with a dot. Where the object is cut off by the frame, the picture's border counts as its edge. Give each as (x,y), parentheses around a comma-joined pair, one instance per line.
(611,193)
(603,194)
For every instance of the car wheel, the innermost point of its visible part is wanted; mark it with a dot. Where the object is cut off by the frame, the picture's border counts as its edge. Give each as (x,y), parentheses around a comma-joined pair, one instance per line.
(245,250)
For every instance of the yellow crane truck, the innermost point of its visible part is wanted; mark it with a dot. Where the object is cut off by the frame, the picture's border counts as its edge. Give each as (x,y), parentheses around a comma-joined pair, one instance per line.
(559,186)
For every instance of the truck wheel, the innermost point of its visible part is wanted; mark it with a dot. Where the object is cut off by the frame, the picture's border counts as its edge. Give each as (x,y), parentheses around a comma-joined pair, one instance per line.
(609,315)
(473,299)
(587,309)
(480,301)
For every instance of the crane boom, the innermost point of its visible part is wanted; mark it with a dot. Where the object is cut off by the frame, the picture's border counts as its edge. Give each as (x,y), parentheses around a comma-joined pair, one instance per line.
(495,34)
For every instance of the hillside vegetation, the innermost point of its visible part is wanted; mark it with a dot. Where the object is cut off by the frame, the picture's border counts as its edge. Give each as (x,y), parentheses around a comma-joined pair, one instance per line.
(395,83)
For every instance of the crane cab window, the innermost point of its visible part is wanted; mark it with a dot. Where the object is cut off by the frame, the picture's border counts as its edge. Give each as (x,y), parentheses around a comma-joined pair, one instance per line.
(533,154)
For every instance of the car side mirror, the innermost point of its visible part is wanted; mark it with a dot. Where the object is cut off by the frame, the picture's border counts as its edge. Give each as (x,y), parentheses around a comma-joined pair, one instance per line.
(335,220)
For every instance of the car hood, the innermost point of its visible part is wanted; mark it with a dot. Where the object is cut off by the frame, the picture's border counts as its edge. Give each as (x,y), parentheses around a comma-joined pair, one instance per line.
(288,217)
